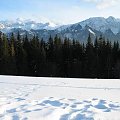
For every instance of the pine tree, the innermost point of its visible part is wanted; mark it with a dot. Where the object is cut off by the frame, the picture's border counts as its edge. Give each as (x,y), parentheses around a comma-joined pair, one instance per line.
(90,58)
(21,57)
(12,45)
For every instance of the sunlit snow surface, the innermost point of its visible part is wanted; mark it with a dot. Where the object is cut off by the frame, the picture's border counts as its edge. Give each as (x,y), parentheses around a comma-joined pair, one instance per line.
(23,98)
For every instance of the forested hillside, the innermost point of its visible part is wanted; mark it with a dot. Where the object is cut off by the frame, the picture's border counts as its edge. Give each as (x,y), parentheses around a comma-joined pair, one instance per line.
(59,58)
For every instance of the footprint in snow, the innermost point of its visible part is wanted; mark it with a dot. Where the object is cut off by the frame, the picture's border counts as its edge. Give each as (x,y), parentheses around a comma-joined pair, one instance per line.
(53,103)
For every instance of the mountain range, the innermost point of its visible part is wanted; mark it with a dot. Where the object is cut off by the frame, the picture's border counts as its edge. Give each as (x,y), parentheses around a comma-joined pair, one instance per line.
(96,26)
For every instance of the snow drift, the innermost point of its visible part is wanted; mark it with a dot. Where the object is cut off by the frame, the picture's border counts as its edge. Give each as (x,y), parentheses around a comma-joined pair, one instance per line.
(24,98)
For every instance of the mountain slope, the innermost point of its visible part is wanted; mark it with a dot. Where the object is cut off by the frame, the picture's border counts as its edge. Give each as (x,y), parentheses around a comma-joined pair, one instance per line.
(108,27)
(26,25)
(102,24)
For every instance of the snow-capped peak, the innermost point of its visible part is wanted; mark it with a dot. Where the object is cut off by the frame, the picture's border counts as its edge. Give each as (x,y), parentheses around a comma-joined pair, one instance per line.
(111,18)
(50,24)
(27,24)
(96,23)
(102,24)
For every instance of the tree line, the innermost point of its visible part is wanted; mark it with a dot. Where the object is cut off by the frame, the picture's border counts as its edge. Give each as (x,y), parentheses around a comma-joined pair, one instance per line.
(20,55)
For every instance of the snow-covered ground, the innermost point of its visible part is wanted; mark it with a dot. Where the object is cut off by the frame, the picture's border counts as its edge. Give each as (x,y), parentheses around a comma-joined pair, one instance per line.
(24,98)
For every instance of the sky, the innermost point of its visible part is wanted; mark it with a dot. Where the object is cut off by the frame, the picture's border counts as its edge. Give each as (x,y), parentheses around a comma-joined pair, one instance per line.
(58,11)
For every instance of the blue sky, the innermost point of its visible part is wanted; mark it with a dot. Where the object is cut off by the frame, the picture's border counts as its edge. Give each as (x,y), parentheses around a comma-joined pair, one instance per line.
(60,11)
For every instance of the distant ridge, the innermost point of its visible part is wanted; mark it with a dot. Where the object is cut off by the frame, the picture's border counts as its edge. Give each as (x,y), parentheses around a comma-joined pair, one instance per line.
(96,26)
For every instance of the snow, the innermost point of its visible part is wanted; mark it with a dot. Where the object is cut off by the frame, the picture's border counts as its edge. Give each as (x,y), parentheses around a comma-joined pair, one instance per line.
(27,24)
(97,23)
(1,26)
(102,24)
(91,32)
(30,98)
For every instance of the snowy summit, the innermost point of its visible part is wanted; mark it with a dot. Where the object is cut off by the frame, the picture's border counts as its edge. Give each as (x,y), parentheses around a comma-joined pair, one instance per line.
(27,24)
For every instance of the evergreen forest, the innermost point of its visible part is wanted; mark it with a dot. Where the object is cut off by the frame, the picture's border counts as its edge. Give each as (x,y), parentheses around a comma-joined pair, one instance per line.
(56,57)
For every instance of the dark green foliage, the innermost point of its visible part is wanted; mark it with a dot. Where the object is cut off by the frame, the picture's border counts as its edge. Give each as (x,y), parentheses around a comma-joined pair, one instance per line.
(59,58)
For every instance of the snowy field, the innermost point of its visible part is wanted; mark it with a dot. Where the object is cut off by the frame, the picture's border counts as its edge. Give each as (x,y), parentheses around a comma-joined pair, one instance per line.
(23,98)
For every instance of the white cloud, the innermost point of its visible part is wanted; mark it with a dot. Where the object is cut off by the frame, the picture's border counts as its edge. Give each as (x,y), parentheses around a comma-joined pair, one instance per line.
(102,4)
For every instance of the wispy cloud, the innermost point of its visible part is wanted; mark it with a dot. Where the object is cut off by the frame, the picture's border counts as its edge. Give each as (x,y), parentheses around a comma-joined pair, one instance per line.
(61,11)
(102,4)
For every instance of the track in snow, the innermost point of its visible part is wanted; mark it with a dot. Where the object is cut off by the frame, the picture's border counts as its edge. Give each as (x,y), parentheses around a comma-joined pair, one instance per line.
(23,98)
